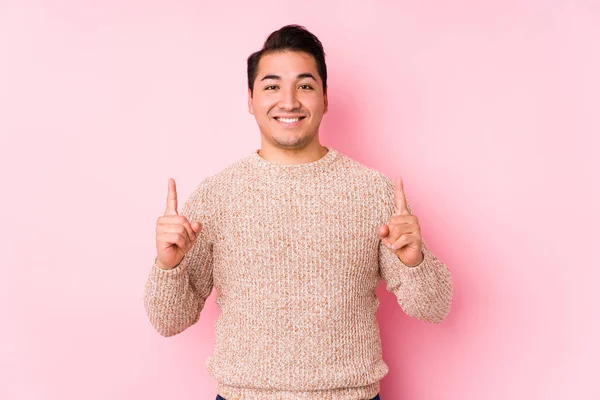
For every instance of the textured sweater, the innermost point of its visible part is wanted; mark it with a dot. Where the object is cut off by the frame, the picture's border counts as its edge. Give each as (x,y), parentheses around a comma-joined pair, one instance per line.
(294,255)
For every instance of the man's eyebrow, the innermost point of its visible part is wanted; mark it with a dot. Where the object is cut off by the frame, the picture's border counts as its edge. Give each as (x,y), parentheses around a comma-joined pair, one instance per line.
(270,77)
(307,75)
(301,76)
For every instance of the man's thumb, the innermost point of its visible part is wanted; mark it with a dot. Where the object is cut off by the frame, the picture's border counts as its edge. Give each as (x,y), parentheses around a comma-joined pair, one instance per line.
(383,231)
(196,226)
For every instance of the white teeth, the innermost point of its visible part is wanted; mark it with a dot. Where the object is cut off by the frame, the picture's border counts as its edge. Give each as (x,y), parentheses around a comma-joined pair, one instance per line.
(289,120)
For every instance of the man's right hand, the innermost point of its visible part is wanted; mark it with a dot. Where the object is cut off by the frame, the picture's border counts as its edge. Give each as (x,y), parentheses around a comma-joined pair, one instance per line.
(175,236)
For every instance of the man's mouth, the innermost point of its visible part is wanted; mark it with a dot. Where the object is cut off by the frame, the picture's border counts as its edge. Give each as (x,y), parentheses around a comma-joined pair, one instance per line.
(289,120)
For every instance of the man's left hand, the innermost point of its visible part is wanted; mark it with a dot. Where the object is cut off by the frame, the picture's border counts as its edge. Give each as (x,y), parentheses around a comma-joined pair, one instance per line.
(402,234)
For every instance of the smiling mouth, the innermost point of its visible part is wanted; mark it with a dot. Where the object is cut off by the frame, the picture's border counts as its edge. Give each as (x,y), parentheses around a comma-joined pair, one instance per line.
(289,120)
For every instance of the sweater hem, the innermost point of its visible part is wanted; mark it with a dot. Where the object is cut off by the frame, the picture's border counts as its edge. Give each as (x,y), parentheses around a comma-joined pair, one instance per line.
(354,393)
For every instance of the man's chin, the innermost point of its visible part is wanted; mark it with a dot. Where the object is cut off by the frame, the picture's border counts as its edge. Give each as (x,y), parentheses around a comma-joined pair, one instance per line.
(292,143)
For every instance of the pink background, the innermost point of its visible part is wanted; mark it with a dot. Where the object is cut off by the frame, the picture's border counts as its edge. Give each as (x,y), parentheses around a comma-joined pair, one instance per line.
(490,112)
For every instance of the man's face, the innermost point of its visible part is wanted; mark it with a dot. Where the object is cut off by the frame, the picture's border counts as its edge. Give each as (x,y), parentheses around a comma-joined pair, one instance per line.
(288,100)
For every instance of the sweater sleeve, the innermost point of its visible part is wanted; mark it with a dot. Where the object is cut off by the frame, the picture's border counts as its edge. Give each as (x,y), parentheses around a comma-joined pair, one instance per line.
(174,298)
(423,291)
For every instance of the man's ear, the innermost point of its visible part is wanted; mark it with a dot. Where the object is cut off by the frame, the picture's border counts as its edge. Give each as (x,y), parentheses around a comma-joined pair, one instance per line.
(250,107)
(326,103)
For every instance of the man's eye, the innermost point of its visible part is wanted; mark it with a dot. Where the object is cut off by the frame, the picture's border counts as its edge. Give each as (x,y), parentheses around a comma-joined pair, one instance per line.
(307,87)
(271,87)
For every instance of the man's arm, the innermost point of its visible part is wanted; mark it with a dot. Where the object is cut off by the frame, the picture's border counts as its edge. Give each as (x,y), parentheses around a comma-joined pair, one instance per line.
(174,298)
(424,291)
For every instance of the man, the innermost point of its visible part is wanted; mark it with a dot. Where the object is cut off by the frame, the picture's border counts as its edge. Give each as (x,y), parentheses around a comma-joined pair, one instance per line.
(295,239)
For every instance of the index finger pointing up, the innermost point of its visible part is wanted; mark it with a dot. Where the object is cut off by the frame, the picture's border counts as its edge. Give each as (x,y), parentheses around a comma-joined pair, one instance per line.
(172,199)
(400,198)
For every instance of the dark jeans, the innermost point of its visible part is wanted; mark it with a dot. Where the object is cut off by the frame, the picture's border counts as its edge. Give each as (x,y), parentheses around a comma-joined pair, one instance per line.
(374,398)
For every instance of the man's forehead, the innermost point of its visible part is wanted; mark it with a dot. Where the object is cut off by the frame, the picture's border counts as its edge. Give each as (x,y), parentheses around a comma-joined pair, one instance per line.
(287,64)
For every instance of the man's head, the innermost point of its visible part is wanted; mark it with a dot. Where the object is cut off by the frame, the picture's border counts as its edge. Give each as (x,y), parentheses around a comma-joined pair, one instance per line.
(287,87)
(290,38)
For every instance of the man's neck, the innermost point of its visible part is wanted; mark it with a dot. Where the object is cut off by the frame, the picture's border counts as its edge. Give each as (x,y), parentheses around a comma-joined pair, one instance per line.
(293,156)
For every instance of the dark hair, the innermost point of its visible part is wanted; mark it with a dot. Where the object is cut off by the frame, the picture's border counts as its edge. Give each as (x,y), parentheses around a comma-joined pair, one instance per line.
(293,38)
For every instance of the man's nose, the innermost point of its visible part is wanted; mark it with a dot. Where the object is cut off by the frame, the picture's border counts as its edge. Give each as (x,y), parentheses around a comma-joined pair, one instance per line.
(289,99)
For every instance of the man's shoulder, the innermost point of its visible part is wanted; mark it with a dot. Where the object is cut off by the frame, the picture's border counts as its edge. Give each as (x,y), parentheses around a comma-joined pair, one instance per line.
(357,170)
(214,184)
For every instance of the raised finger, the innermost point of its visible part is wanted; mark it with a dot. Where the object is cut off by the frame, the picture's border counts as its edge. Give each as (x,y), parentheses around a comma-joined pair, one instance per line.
(171,198)
(400,198)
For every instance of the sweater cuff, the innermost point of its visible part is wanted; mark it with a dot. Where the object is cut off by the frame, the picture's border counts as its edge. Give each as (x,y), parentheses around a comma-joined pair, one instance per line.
(173,274)
(422,270)
(419,264)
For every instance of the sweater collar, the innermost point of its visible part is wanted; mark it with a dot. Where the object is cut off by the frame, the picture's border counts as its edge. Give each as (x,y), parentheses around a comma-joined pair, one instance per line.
(313,167)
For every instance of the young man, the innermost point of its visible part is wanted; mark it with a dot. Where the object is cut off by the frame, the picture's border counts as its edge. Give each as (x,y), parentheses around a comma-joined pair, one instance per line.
(295,239)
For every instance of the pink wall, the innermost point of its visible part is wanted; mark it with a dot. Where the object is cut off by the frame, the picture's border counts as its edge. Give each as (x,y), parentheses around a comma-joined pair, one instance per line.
(489,112)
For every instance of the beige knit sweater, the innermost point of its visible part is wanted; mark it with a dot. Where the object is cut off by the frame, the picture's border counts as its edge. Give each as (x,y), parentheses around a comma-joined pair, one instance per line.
(294,256)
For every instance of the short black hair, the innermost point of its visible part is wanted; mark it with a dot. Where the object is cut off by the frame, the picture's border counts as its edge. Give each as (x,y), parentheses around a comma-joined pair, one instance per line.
(292,38)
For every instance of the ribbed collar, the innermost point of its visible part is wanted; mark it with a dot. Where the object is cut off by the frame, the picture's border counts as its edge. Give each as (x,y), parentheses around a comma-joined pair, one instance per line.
(313,167)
